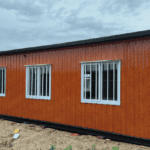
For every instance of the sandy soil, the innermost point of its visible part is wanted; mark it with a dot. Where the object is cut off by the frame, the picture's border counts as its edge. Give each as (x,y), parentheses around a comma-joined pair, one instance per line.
(33,137)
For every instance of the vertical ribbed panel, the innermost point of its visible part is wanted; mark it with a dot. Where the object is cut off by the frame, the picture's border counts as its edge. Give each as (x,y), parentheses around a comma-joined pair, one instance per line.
(58,87)
(80,107)
(17,84)
(55,86)
(22,83)
(63,88)
(130,118)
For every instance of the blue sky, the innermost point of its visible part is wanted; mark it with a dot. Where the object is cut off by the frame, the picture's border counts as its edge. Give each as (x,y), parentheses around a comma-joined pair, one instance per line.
(30,23)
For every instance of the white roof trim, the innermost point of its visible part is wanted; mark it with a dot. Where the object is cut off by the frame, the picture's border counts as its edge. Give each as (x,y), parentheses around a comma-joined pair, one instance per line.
(99,61)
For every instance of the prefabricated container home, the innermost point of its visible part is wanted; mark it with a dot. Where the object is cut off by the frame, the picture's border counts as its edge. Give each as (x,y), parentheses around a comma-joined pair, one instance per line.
(101,83)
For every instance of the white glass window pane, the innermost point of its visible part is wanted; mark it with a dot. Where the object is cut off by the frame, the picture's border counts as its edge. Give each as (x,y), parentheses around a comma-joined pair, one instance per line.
(3,80)
(87,88)
(94,75)
(110,80)
(36,77)
(30,80)
(84,90)
(113,80)
(34,90)
(87,68)
(98,84)
(44,80)
(104,80)
(48,69)
(40,73)
(84,78)
(90,82)
(116,88)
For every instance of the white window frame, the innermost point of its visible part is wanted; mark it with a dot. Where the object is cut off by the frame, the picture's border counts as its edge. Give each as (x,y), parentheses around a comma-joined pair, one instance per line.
(99,100)
(1,92)
(38,83)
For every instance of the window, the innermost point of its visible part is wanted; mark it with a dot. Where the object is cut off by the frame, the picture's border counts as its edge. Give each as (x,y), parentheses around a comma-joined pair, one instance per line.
(2,81)
(100,82)
(38,82)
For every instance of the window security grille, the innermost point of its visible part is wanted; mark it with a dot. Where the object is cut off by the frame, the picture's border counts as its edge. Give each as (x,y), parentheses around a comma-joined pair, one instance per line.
(100,82)
(2,81)
(38,82)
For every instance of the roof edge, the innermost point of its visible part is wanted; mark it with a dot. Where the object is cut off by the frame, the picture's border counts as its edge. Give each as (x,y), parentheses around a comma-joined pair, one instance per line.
(119,37)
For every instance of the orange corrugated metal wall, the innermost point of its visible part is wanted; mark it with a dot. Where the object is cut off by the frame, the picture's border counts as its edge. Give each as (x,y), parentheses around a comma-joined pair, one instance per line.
(131,118)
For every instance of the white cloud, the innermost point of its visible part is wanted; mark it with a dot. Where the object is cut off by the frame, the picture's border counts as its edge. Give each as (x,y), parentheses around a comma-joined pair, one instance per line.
(26,23)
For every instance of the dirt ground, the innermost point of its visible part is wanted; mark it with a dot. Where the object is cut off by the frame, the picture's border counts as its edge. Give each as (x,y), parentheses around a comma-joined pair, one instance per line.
(34,137)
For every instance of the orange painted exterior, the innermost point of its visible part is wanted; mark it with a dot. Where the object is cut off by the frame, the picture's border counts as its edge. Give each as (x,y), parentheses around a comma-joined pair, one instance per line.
(131,118)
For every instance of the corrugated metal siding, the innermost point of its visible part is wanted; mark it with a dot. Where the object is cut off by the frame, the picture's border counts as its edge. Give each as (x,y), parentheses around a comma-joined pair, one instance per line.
(131,118)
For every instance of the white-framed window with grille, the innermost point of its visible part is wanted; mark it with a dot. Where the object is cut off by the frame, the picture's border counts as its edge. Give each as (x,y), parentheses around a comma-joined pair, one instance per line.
(2,81)
(38,82)
(100,82)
